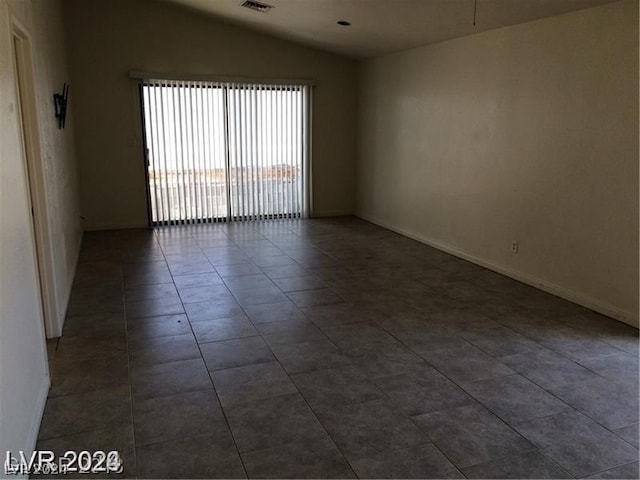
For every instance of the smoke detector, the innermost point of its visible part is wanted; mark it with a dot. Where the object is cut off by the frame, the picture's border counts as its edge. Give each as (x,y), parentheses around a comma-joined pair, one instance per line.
(258,6)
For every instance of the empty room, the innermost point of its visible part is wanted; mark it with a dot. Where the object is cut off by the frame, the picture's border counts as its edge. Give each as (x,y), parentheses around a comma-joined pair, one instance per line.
(319,238)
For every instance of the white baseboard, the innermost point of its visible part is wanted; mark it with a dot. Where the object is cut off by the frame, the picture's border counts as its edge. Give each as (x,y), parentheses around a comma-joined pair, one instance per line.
(69,286)
(591,303)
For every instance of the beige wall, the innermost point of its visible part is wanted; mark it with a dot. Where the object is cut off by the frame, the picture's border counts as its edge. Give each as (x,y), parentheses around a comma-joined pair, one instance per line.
(527,133)
(23,366)
(59,186)
(108,38)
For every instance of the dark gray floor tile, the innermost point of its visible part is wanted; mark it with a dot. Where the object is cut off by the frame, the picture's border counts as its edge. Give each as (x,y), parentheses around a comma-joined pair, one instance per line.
(151,381)
(214,242)
(577,443)
(612,405)
(274,312)
(220,252)
(423,337)
(357,334)
(363,338)
(237,268)
(500,341)
(181,251)
(235,353)
(627,342)
(246,235)
(370,294)
(309,356)
(607,328)
(153,327)
(156,266)
(470,434)
(259,296)
(141,293)
(274,261)
(200,312)
(326,316)
(149,351)
(577,345)
(525,465)
(219,329)
(283,271)
(547,368)
(94,272)
(400,295)
(96,323)
(273,421)
(79,413)
(314,260)
(177,416)
(547,304)
(390,361)
(628,471)
(428,391)
(228,262)
(190,267)
(514,398)
(323,389)
(416,376)
(534,326)
(118,438)
(307,458)
(421,461)
(156,307)
(622,368)
(197,280)
(104,305)
(86,375)
(628,433)
(292,331)
(261,251)
(208,456)
(248,282)
(142,254)
(312,298)
(368,428)
(465,364)
(94,346)
(147,277)
(208,293)
(185,253)
(300,283)
(251,382)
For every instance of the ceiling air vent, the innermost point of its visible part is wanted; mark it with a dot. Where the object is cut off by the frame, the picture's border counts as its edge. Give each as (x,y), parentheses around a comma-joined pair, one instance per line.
(258,6)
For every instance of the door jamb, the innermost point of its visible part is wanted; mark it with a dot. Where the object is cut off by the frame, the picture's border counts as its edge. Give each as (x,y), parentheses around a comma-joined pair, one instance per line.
(22,49)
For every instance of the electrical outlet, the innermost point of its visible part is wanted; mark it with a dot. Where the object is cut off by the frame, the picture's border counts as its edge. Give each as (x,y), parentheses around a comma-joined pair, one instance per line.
(514,246)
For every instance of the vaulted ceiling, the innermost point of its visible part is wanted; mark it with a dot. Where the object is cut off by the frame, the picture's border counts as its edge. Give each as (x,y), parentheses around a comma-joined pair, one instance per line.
(382,26)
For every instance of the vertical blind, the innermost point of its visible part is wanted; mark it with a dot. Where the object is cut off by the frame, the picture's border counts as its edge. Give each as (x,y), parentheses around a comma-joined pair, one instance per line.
(219,151)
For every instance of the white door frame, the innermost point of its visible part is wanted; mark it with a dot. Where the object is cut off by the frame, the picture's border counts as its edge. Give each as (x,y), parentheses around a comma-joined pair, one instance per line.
(35,176)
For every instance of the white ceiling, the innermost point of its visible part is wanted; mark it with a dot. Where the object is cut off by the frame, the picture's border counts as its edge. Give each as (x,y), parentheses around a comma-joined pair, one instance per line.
(382,26)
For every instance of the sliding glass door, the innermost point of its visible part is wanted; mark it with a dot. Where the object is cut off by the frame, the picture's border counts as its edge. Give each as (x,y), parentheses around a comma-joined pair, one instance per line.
(225,151)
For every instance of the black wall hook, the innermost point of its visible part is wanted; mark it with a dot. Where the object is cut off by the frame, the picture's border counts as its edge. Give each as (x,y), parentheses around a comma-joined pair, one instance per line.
(60,103)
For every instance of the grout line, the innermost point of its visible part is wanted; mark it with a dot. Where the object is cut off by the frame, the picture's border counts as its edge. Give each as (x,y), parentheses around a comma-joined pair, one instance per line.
(126,334)
(215,391)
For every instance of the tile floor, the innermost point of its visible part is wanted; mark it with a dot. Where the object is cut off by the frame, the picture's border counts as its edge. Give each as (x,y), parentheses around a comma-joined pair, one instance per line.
(332,349)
